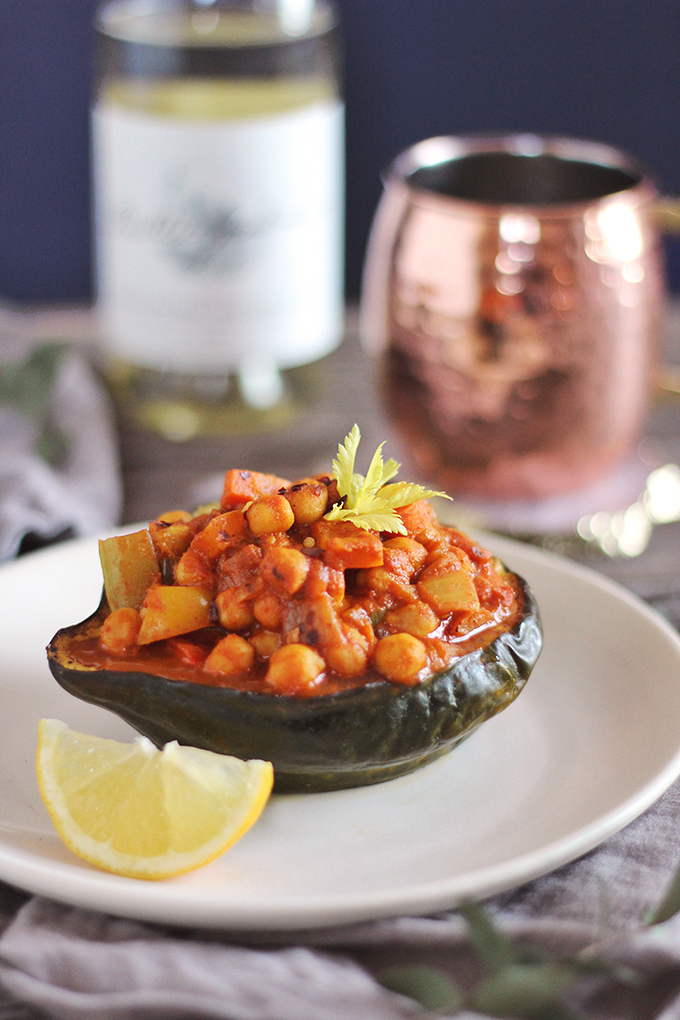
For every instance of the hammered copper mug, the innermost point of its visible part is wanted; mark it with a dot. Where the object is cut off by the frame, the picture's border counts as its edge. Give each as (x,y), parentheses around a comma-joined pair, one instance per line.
(513,288)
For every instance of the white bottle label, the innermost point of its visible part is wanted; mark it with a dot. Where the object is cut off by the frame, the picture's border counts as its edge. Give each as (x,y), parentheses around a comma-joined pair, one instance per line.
(219,244)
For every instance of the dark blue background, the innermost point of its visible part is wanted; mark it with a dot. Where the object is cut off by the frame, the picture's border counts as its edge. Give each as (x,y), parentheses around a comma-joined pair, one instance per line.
(602,69)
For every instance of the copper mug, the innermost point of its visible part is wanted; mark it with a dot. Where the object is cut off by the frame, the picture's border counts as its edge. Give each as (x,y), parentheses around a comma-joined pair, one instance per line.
(513,288)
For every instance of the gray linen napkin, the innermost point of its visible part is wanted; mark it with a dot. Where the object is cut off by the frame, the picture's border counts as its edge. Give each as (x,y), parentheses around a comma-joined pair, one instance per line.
(70,963)
(59,469)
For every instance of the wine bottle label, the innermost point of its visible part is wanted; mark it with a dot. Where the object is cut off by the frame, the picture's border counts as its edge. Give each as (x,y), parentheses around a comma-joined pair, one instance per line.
(219,244)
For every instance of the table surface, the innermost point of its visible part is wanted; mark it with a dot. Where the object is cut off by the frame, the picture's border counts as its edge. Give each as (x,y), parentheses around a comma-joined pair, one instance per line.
(160,475)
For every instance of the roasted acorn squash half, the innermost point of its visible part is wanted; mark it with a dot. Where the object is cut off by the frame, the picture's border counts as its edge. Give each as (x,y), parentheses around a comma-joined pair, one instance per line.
(353,738)
(323,625)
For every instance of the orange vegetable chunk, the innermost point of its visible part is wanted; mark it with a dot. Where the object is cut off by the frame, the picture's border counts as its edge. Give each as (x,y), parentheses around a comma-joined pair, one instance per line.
(418,517)
(169,610)
(218,535)
(346,547)
(240,487)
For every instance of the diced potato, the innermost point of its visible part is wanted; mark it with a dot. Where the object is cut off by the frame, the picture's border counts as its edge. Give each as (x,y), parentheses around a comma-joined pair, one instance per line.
(416,619)
(240,487)
(449,593)
(270,514)
(169,610)
(347,547)
(129,566)
(233,654)
(382,582)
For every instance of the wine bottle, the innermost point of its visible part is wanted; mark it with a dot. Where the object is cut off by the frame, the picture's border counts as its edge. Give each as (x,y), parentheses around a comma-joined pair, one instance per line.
(218,182)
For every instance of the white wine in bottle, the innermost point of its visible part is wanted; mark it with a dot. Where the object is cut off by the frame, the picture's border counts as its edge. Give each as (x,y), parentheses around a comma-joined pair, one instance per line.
(218,155)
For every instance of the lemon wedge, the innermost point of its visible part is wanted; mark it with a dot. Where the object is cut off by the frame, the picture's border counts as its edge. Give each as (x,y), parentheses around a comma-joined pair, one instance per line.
(144,813)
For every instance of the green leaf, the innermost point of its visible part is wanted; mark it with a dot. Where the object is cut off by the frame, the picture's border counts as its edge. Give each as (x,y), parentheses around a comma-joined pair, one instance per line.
(402,493)
(670,903)
(492,945)
(343,467)
(527,992)
(374,476)
(370,503)
(386,520)
(430,987)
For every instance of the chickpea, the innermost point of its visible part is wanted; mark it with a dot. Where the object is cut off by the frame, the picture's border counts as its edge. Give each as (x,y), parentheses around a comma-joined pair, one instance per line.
(308,501)
(349,657)
(268,610)
(234,609)
(192,571)
(400,657)
(233,654)
(171,538)
(265,643)
(119,630)
(285,569)
(173,516)
(270,514)
(294,666)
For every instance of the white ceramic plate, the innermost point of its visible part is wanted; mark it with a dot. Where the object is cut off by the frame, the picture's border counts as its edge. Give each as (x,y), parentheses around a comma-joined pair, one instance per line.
(592,741)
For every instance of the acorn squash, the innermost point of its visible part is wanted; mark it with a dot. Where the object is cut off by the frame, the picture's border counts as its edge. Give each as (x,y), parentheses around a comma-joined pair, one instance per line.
(351,738)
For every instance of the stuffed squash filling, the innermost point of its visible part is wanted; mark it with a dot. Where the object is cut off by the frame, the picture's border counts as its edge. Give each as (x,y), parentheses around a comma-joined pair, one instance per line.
(266,594)
(331,626)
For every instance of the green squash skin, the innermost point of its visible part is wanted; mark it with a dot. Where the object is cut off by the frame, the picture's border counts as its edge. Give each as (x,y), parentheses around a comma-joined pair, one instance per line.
(354,738)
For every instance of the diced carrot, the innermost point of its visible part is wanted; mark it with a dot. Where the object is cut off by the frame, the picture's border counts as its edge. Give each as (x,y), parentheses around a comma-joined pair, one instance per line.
(186,652)
(218,535)
(418,517)
(347,547)
(241,487)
